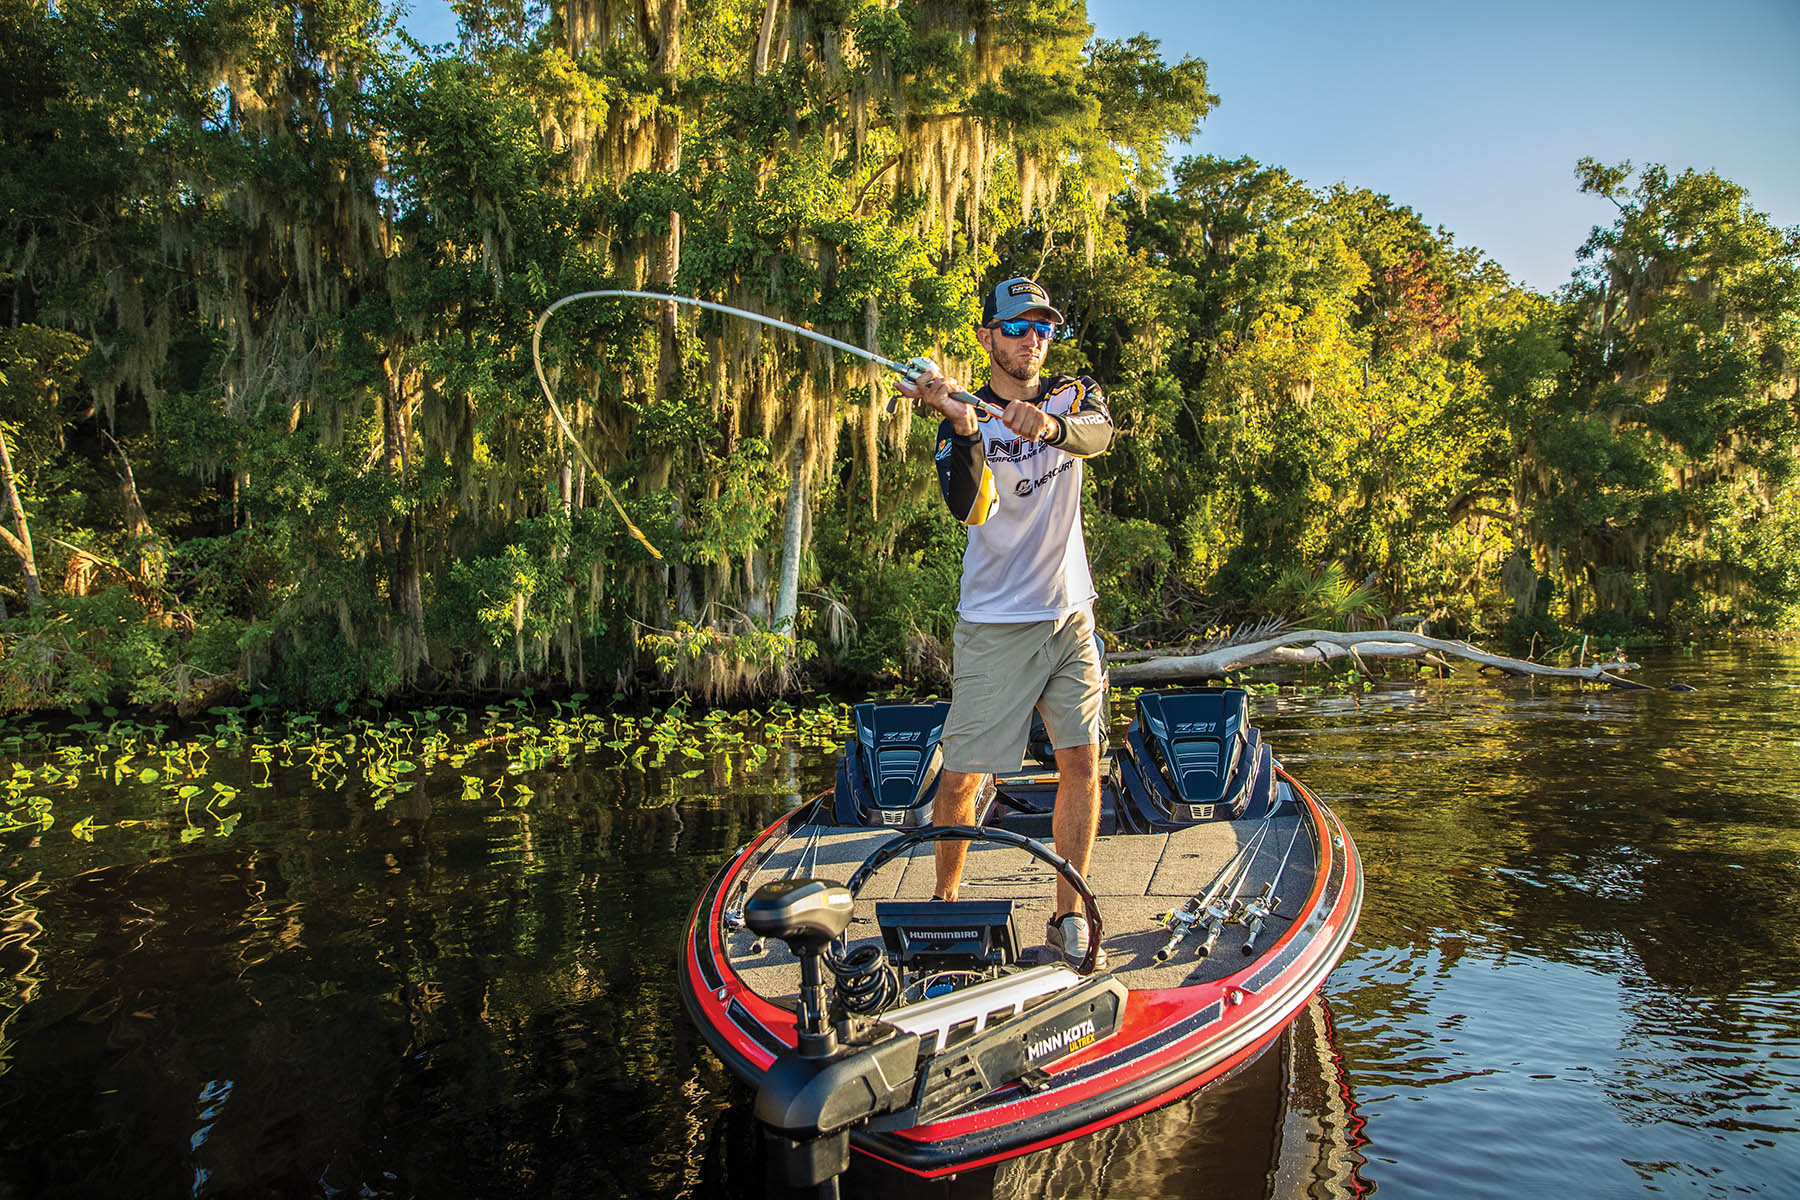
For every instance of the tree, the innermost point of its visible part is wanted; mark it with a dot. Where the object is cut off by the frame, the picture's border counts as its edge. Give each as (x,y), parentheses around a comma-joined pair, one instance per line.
(1663,464)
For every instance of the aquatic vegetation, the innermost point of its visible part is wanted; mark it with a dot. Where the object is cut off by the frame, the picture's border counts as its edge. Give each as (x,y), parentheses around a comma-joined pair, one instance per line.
(191,780)
(494,751)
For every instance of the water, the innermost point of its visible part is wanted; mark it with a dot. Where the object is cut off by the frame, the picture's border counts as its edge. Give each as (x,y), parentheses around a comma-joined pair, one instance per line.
(1577,972)
(1577,967)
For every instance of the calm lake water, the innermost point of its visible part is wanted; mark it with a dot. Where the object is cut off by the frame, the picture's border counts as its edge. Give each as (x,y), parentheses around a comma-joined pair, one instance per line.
(1577,971)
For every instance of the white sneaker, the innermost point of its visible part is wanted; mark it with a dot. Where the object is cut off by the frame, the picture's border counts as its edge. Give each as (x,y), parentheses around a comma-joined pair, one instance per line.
(1067,936)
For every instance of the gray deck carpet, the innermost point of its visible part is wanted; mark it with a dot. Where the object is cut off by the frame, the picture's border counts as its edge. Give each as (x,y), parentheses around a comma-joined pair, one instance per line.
(1135,878)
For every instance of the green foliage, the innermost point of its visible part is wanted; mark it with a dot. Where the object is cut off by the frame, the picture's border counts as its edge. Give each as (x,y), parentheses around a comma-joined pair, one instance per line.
(902,575)
(715,664)
(1130,560)
(1324,599)
(1532,634)
(39,373)
(322,668)
(275,423)
(80,650)
(1658,472)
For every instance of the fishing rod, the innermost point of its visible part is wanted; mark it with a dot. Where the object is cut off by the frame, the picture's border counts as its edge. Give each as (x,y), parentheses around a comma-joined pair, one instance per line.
(911,371)
(734,912)
(1223,910)
(1181,922)
(1266,904)
(807,852)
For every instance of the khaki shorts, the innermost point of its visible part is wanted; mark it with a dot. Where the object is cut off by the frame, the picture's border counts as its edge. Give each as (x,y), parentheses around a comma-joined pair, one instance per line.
(1003,672)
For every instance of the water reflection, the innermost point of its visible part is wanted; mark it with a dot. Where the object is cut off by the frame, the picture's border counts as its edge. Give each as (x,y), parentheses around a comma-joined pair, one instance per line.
(1576,970)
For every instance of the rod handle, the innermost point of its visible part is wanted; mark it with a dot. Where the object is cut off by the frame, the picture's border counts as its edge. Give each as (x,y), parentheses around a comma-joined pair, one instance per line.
(1168,947)
(915,369)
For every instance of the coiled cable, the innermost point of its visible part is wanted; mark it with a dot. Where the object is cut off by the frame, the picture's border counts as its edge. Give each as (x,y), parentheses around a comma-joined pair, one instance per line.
(866,981)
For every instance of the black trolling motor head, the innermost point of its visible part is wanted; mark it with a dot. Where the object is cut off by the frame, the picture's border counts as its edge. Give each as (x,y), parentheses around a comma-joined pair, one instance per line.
(806,914)
(800,912)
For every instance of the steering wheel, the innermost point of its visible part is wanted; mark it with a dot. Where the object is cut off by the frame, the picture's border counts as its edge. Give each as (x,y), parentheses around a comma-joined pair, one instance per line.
(894,847)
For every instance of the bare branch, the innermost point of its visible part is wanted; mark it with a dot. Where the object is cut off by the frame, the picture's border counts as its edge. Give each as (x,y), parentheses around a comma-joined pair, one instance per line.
(1304,646)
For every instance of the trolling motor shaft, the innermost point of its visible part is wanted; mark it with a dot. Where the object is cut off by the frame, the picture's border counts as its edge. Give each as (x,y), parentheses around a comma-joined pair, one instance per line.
(809,1100)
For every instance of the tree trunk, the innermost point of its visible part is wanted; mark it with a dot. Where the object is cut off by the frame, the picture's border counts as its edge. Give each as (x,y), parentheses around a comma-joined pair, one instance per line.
(764,38)
(412,592)
(384,528)
(793,544)
(20,541)
(1301,647)
(152,558)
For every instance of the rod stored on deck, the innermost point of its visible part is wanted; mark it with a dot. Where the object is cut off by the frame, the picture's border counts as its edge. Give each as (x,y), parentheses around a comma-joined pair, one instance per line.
(1183,920)
(1224,910)
(1203,906)
(1265,904)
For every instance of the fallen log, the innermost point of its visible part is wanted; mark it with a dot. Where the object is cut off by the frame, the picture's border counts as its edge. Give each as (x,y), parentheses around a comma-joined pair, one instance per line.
(1303,647)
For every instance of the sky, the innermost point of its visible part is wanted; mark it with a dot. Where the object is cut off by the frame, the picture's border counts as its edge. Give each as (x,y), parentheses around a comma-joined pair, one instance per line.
(1473,114)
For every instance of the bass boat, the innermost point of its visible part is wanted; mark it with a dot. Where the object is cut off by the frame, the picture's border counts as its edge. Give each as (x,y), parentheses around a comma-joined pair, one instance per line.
(940,1036)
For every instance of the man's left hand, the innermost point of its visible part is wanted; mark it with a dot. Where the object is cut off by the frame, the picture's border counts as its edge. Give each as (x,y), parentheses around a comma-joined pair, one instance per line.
(1029,421)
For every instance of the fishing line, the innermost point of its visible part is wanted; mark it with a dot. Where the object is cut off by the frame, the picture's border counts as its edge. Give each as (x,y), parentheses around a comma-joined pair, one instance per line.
(907,370)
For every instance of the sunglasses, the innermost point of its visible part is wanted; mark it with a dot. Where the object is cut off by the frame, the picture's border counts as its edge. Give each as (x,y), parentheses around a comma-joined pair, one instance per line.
(1018,329)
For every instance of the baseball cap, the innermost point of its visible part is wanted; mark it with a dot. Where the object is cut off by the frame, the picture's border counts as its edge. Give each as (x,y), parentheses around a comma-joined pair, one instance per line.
(1011,297)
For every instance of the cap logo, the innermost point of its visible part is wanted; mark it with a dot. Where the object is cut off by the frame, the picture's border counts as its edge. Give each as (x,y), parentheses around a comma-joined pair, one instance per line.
(1024,287)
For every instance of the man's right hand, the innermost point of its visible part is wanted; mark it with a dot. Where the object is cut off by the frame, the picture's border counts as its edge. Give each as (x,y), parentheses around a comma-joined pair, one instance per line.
(930,386)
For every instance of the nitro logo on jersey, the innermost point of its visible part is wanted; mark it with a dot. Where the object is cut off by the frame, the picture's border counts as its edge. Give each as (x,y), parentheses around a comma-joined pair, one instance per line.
(1013,449)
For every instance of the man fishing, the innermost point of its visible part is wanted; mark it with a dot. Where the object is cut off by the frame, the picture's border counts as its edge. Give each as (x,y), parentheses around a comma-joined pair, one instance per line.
(1025,628)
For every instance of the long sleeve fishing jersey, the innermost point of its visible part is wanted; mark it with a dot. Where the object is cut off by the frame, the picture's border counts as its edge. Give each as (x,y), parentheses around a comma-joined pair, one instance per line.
(1027,559)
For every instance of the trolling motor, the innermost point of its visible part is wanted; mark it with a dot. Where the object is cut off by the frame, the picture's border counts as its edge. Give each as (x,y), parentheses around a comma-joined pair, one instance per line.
(809,1100)
(920,1062)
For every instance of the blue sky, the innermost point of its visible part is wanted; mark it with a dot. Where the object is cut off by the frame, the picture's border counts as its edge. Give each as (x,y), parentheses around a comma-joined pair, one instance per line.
(1474,114)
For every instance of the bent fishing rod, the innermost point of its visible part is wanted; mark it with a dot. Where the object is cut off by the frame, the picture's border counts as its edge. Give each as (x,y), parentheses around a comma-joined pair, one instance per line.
(911,370)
